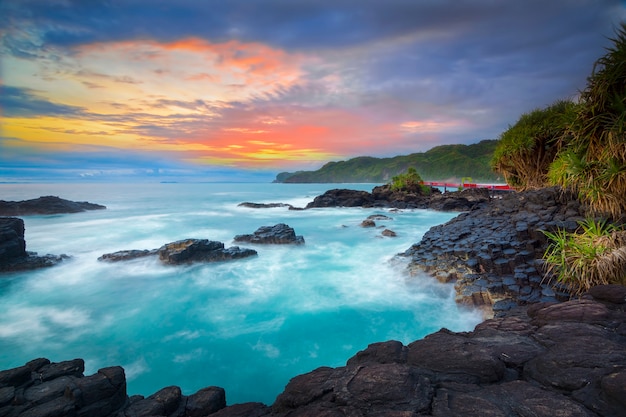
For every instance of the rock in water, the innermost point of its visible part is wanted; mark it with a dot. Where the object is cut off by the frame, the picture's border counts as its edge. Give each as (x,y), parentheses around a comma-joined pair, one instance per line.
(13,254)
(280,234)
(200,250)
(45,205)
(12,243)
(127,255)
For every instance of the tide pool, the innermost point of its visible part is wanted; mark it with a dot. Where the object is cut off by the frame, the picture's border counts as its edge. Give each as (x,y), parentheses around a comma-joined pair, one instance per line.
(247,325)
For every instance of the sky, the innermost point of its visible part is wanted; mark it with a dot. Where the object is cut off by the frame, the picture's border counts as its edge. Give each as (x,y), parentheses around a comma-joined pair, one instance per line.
(245,89)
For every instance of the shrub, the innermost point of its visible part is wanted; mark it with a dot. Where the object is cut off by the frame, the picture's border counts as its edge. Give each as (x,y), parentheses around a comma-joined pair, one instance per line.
(409,181)
(595,255)
(526,149)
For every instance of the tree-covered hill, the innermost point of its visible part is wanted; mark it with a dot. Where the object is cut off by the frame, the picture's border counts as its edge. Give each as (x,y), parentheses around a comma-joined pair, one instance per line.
(446,162)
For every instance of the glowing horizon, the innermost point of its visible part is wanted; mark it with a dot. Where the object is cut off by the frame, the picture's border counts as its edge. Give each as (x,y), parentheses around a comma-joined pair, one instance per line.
(243,98)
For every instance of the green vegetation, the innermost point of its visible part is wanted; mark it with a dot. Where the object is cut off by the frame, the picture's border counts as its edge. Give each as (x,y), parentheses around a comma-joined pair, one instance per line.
(594,256)
(527,149)
(582,146)
(409,181)
(594,162)
(445,162)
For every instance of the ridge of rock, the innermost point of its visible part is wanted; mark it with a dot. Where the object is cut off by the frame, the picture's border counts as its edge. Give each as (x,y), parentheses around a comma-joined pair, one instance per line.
(45,205)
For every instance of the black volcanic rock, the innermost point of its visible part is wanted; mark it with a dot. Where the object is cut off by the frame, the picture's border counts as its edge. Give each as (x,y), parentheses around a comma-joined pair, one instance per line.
(13,254)
(200,250)
(184,252)
(264,205)
(45,205)
(566,359)
(342,198)
(127,255)
(495,251)
(385,196)
(279,234)
(12,243)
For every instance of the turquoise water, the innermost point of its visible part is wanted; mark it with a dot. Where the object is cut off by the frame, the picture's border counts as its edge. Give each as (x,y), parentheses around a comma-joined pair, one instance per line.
(247,325)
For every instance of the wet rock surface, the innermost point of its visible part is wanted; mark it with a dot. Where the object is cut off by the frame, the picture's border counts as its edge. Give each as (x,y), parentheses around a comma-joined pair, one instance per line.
(384,196)
(493,253)
(45,205)
(265,205)
(184,252)
(279,234)
(13,253)
(566,359)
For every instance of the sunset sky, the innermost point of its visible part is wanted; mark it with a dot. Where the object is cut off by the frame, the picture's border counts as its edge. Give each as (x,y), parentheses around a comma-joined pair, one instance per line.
(244,89)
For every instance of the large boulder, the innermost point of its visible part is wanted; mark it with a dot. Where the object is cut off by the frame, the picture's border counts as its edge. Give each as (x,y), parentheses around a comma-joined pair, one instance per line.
(279,234)
(12,243)
(342,198)
(200,250)
(13,254)
(184,252)
(45,205)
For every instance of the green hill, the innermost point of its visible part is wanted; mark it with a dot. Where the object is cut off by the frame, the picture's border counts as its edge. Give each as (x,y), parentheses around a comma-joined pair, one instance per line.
(446,162)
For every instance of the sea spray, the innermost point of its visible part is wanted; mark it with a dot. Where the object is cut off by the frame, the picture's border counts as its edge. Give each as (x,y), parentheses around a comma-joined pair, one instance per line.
(248,325)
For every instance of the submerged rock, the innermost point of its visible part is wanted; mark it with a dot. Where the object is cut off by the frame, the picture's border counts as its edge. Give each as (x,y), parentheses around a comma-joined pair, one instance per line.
(264,205)
(279,234)
(13,253)
(45,205)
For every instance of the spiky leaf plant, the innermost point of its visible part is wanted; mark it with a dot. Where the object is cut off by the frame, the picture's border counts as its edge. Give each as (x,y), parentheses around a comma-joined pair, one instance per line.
(594,255)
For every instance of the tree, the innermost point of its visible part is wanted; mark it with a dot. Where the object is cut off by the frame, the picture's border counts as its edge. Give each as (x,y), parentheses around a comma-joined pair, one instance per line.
(526,149)
(594,162)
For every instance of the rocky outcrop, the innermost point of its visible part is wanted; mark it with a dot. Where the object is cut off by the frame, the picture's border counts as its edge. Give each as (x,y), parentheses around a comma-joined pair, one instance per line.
(342,198)
(184,252)
(566,359)
(44,389)
(384,196)
(127,255)
(266,205)
(279,234)
(13,254)
(200,250)
(45,205)
(494,252)
(12,243)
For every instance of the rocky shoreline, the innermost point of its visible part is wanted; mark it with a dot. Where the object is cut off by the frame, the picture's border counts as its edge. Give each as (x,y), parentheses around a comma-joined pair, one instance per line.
(566,359)
(536,354)
(493,253)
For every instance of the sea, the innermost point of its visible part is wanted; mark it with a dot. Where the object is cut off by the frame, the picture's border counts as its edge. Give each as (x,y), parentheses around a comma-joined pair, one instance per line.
(248,325)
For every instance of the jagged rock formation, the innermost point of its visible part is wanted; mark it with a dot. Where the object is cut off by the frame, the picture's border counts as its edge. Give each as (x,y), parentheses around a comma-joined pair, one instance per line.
(13,254)
(184,252)
(45,205)
(566,359)
(279,234)
(200,250)
(384,196)
(44,389)
(494,252)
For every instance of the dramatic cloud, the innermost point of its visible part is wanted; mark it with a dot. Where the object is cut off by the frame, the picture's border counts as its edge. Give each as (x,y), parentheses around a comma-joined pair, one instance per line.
(276,85)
